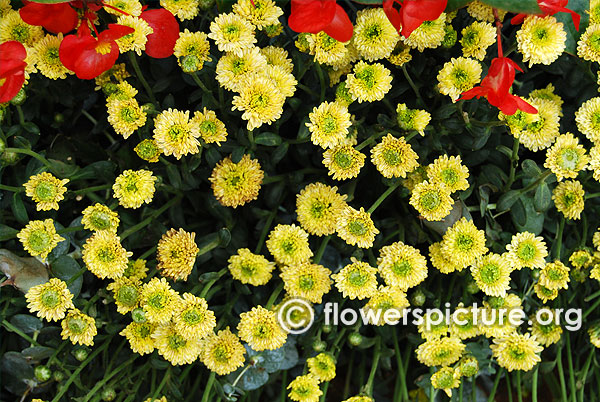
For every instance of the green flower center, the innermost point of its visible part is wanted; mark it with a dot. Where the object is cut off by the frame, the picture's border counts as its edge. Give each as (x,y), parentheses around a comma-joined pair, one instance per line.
(367,77)
(157,301)
(343,160)
(77,325)
(555,274)
(470,38)
(259,101)
(306,282)
(177,133)
(318,209)
(569,199)
(402,268)
(288,246)
(176,342)
(327,42)
(248,269)
(129,114)
(221,354)
(373,31)
(526,251)
(208,127)
(45,191)
(50,298)
(144,331)
(262,331)
(430,200)
(193,316)
(464,242)
(516,352)
(358,278)
(238,66)
(52,56)
(392,157)
(357,228)
(449,176)
(594,41)
(541,34)
(39,240)
(127,295)
(231,32)
(20,33)
(444,380)
(329,124)
(569,159)
(489,273)
(106,254)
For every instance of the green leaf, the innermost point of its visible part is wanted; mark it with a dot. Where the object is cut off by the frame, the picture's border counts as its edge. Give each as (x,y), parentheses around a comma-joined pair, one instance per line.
(31,127)
(456,4)
(65,268)
(27,323)
(531,168)
(37,353)
(542,199)
(62,169)
(7,233)
(515,6)
(268,139)
(253,378)
(526,218)
(507,200)
(18,209)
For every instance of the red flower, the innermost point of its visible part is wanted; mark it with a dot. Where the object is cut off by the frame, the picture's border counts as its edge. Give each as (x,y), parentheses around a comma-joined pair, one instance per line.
(89,57)
(54,17)
(551,7)
(412,13)
(12,69)
(314,16)
(496,86)
(166,32)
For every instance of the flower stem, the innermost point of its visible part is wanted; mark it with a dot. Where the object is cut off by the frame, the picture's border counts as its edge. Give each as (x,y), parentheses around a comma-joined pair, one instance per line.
(17,331)
(561,375)
(413,86)
(383,196)
(534,384)
(401,368)
(496,382)
(513,164)
(376,356)
(586,369)
(570,363)
(274,295)
(140,76)
(150,219)
(321,250)
(518,385)
(33,154)
(11,188)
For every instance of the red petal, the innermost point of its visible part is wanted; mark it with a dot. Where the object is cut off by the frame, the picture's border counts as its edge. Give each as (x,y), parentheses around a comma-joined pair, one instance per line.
(392,14)
(11,86)
(114,32)
(518,19)
(91,64)
(524,106)
(54,17)
(11,67)
(12,50)
(166,32)
(72,46)
(473,92)
(414,12)
(341,27)
(312,16)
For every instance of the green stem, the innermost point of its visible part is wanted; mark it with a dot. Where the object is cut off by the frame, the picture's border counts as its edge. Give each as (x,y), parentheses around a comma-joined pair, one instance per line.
(570,363)
(383,196)
(265,231)
(412,85)
(376,356)
(586,369)
(274,295)
(519,390)
(592,195)
(559,236)
(460,392)
(534,383)
(321,82)
(370,140)
(401,368)
(513,164)
(561,375)
(107,378)
(163,383)
(207,389)
(150,219)
(496,382)
(17,331)
(591,309)
(536,183)
(21,115)
(321,249)
(92,189)
(140,76)
(509,388)
(32,154)
(212,282)
(11,188)
(204,88)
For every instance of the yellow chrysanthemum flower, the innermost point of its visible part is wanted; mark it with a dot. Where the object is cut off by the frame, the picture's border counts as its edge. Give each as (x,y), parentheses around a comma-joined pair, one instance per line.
(401,266)
(328,50)
(5,8)
(446,378)
(121,91)
(545,294)
(212,130)
(322,366)
(223,352)
(125,116)
(356,227)
(79,328)
(171,345)
(260,101)
(588,118)
(12,27)
(114,75)
(250,268)
(289,244)
(232,33)
(492,274)
(192,50)
(260,329)
(526,250)
(45,190)
(566,157)
(176,254)
(440,351)
(400,55)
(45,56)
(126,293)
(329,124)
(357,280)
(306,280)
(432,200)
(588,47)
(232,68)
(547,333)
(193,319)
(343,162)
(159,301)
(439,260)
(412,119)
(369,82)
(594,164)
(492,320)
(517,352)
(450,171)
(50,300)
(148,150)
(548,94)
(541,40)
(457,76)
(554,275)
(594,334)
(468,366)
(581,259)
(182,9)
(133,7)
(360,398)
(305,388)
(535,131)
(283,81)
(374,35)
(318,207)
(483,12)
(430,34)
(387,298)
(260,13)
(104,256)
(39,238)
(235,184)
(394,157)
(136,269)
(136,40)
(594,11)
(134,187)
(175,134)
(568,198)
(429,329)
(139,335)
(463,243)
(476,38)
(464,326)
(277,56)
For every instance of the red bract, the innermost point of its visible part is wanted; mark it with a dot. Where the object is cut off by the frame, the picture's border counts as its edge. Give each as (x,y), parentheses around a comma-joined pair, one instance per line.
(314,16)
(551,7)
(412,13)
(89,57)
(12,69)
(54,17)
(166,32)
(496,86)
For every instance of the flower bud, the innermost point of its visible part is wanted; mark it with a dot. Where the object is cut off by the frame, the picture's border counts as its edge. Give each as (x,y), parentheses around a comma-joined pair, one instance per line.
(42,373)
